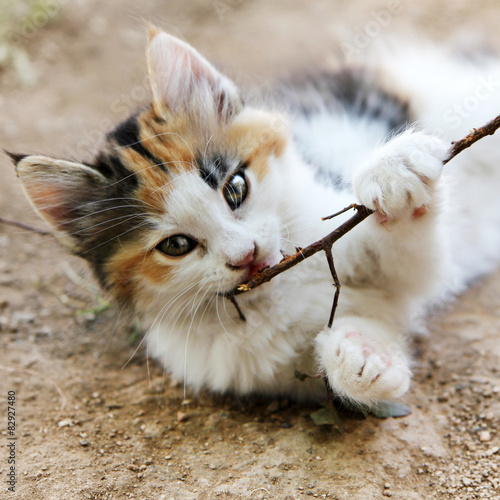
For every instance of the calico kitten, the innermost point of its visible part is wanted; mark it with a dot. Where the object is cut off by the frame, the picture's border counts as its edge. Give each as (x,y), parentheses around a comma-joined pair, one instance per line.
(192,195)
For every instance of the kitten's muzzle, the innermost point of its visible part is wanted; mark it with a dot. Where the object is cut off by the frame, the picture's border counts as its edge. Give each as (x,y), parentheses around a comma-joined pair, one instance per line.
(248,263)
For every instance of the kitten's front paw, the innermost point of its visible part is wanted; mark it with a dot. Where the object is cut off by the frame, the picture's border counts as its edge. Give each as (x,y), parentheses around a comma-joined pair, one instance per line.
(360,366)
(398,182)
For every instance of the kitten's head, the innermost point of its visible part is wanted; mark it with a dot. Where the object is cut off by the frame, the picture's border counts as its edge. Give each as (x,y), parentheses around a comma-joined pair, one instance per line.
(184,195)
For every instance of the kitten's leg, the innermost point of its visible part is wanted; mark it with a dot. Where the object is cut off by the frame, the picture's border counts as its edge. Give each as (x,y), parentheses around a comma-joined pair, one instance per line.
(363,354)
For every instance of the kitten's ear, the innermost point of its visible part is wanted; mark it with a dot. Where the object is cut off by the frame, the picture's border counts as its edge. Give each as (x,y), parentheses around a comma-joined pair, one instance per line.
(183,81)
(58,189)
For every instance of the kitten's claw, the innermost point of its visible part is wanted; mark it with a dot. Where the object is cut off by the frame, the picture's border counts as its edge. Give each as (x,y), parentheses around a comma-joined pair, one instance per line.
(360,367)
(399,181)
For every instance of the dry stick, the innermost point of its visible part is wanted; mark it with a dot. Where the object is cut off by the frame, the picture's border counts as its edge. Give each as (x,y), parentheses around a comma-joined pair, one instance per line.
(362,213)
(325,243)
(478,133)
(21,225)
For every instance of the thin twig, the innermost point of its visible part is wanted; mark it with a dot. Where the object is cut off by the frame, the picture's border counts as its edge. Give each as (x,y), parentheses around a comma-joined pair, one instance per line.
(21,225)
(232,299)
(478,133)
(361,214)
(269,273)
(336,283)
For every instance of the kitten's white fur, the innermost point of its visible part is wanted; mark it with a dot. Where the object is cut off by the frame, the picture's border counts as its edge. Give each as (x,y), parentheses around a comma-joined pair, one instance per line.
(431,237)
(391,267)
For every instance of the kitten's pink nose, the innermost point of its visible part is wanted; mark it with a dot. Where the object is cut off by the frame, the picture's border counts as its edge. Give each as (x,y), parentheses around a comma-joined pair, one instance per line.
(246,261)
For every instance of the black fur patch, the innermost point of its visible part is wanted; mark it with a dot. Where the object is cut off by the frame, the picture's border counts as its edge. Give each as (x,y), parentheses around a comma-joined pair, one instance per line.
(353,91)
(112,167)
(126,135)
(106,217)
(356,92)
(214,171)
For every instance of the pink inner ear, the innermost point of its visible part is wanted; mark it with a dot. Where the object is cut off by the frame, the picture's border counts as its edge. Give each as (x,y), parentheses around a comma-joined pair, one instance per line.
(178,73)
(200,70)
(51,203)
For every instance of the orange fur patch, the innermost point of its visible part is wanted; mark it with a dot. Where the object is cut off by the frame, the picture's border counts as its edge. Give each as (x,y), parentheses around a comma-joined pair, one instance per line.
(257,141)
(133,265)
(173,151)
(172,146)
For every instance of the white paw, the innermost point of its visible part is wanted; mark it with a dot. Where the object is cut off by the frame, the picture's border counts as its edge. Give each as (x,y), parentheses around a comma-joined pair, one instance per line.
(361,367)
(400,178)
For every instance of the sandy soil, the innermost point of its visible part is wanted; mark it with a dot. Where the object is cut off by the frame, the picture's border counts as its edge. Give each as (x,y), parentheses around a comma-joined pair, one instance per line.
(94,419)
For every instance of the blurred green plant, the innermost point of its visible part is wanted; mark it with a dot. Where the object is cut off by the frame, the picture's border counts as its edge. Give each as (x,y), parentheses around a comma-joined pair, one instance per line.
(20,22)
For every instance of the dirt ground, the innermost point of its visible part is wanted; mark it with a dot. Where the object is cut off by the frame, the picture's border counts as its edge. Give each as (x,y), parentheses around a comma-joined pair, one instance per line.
(94,419)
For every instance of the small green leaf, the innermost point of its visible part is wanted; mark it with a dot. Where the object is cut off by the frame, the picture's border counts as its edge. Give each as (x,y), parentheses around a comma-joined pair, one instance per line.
(134,335)
(100,307)
(327,416)
(388,409)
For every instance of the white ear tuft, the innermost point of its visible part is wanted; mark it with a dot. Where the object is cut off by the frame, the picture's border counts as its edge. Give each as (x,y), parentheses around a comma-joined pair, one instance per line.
(183,81)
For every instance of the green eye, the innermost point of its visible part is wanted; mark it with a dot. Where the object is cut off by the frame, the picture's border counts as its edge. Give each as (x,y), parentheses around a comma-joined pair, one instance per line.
(235,190)
(177,245)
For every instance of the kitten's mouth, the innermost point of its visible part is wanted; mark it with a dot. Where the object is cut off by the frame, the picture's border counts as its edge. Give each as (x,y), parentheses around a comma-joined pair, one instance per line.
(252,270)
(255,268)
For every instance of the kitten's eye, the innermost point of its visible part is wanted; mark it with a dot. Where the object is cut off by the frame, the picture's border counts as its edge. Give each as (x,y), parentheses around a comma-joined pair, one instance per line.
(236,189)
(177,246)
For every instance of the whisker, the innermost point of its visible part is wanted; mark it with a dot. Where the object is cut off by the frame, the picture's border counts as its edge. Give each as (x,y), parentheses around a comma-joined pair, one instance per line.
(126,217)
(193,315)
(159,135)
(137,172)
(169,304)
(164,186)
(218,315)
(206,147)
(157,321)
(114,237)
(115,207)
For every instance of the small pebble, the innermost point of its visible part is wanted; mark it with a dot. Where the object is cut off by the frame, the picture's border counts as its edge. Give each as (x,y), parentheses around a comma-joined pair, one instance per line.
(181,416)
(492,451)
(65,423)
(484,436)
(23,317)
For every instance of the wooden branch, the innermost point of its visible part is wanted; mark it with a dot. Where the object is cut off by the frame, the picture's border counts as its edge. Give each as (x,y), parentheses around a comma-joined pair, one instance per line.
(21,225)
(478,133)
(362,213)
(326,243)
(269,273)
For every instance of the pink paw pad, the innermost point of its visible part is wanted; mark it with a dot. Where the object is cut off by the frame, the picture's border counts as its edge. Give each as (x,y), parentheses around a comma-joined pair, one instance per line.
(420,212)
